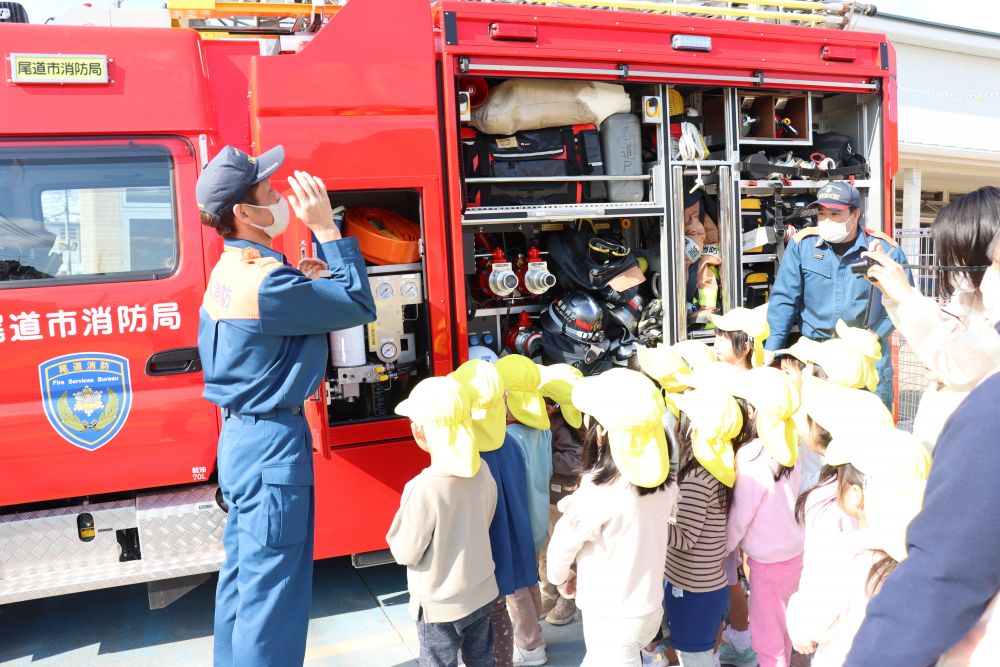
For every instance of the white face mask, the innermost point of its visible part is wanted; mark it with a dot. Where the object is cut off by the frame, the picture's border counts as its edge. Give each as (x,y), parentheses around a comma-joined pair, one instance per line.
(989,288)
(832,231)
(280,213)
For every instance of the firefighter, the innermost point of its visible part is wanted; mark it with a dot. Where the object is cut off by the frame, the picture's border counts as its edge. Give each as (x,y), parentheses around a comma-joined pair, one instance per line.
(263,346)
(815,285)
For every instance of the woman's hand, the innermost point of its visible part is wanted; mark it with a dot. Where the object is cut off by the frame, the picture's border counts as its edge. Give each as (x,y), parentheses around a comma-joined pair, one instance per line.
(888,275)
(567,589)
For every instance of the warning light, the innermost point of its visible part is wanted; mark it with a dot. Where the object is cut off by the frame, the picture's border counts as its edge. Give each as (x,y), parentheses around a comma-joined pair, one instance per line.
(691,43)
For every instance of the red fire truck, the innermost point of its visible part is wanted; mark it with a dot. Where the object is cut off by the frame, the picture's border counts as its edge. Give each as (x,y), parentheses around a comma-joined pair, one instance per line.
(726,122)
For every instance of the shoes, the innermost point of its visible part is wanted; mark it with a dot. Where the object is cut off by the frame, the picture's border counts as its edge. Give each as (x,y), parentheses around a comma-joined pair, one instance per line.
(657,658)
(563,613)
(547,605)
(532,658)
(730,656)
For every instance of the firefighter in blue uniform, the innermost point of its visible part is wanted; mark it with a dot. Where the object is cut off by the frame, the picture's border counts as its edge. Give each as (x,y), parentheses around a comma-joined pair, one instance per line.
(815,285)
(263,346)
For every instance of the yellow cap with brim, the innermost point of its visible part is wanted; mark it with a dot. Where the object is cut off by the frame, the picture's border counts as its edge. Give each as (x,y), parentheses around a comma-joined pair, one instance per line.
(666,366)
(557,385)
(753,322)
(845,365)
(802,350)
(838,409)
(630,408)
(694,352)
(896,466)
(717,375)
(521,377)
(486,394)
(715,419)
(868,345)
(440,407)
(775,399)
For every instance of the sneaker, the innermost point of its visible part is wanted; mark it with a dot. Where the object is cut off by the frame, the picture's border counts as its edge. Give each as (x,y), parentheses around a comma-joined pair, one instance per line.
(525,658)
(563,613)
(730,656)
(547,606)
(657,658)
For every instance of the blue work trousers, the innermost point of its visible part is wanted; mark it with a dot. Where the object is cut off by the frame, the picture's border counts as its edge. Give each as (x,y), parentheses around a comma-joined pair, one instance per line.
(265,584)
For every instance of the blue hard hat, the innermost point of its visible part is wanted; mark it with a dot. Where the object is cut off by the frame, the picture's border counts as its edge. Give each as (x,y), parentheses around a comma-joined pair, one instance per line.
(230,174)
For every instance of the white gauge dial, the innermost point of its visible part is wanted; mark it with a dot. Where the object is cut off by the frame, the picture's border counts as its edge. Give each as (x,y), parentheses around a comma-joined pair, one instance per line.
(383,291)
(409,289)
(388,350)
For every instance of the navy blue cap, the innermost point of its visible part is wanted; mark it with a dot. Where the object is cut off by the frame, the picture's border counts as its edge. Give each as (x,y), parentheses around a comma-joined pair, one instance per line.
(230,174)
(837,195)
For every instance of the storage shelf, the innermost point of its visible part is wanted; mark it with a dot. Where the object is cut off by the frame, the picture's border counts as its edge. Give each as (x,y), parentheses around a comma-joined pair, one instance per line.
(560,212)
(759,186)
(752,141)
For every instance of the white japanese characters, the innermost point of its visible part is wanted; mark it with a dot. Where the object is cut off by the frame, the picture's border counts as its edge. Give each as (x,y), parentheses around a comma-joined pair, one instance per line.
(93,321)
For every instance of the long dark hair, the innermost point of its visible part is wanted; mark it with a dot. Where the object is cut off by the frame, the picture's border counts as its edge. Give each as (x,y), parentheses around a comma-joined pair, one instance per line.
(882,568)
(689,464)
(843,476)
(962,234)
(597,461)
(742,344)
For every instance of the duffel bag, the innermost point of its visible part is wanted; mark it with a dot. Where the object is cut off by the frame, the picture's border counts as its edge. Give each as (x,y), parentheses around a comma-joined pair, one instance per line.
(562,151)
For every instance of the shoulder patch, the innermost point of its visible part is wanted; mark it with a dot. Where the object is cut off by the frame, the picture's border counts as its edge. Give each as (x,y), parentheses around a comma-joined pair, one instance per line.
(234,286)
(882,235)
(805,233)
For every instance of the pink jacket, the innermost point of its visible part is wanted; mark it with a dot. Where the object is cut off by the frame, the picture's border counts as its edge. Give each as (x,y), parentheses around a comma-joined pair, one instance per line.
(762,517)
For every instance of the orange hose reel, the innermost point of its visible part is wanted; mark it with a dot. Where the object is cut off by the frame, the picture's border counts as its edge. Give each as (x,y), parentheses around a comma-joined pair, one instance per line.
(384,237)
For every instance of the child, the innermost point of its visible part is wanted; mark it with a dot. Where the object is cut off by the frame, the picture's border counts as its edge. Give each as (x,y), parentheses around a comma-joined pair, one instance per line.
(441,531)
(762,517)
(696,595)
(512,544)
(740,336)
(881,476)
(612,526)
(528,427)
(557,385)
(830,410)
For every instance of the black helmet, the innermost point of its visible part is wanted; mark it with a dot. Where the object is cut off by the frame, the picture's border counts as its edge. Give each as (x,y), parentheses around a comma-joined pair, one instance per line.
(573,332)
(624,315)
(572,254)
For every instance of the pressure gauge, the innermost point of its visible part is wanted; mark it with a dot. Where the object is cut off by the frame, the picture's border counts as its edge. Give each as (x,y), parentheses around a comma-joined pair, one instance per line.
(384,291)
(409,289)
(388,350)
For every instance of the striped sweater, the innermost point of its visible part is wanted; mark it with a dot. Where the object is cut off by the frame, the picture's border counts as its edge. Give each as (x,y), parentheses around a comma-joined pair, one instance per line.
(697,537)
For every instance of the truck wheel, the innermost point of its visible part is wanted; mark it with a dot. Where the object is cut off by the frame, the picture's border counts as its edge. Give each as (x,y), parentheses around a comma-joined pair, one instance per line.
(12,12)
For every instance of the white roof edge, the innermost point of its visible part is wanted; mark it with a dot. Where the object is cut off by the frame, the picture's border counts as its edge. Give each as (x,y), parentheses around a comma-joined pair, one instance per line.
(932,37)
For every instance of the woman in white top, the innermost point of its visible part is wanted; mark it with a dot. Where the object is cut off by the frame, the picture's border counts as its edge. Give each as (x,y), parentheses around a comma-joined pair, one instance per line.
(955,341)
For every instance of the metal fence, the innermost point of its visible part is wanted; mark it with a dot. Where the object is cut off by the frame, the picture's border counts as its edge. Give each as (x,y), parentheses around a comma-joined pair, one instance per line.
(911,376)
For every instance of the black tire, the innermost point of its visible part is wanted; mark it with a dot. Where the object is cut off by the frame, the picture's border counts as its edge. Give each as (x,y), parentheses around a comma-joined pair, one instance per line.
(16,11)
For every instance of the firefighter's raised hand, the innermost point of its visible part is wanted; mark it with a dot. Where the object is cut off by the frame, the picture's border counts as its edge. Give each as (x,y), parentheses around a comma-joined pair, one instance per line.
(312,268)
(312,205)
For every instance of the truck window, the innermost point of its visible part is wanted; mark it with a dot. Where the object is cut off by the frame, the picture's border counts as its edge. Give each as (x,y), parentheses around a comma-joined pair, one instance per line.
(86,214)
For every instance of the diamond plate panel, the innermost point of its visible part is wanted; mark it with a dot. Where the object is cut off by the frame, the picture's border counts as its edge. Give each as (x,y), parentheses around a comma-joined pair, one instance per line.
(181,525)
(180,534)
(32,543)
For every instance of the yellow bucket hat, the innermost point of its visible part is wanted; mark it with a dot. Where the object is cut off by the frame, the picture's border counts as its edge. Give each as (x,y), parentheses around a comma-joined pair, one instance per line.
(839,409)
(802,350)
(715,419)
(485,393)
(665,365)
(441,408)
(694,352)
(630,408)
(868,345)
(717,375)
(774,397)
(896,466)
(521,377)
(753,322)
(557,385)
(845,365)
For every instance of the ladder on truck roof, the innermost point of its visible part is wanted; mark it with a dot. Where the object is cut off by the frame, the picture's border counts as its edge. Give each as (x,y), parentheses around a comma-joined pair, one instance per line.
(237,17)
